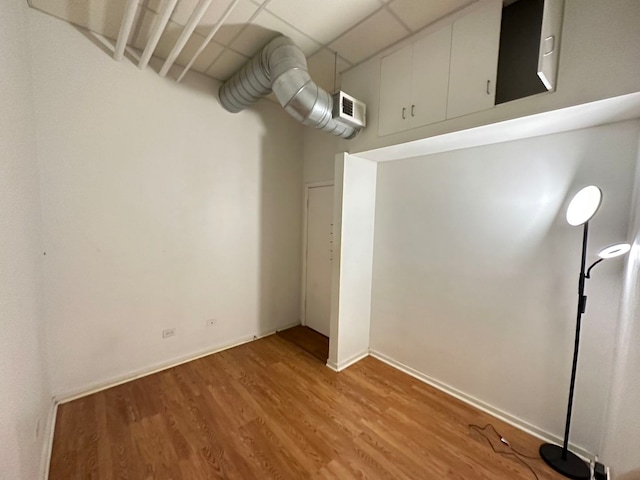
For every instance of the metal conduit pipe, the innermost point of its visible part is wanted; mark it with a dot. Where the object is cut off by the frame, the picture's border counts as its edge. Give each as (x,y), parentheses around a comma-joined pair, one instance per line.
(281,67)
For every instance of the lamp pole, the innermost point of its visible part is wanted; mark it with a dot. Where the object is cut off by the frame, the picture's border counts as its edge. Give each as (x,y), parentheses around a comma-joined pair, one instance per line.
(561,459)
(582,305)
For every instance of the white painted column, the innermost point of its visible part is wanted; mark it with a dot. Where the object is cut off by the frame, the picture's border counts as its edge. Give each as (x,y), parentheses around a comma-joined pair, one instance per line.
(354,217)
(618,447)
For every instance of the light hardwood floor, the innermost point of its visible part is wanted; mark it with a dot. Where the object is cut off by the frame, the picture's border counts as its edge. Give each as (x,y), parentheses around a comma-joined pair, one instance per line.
(269,410)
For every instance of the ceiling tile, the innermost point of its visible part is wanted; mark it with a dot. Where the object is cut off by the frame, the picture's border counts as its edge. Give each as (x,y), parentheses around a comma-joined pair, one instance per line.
(368,38)
(211,52)
(240,15)
(168,40)
(185,8)
(321,67)
(206,57)
(252,39)
(266,27)
(323,20)
(226,65)
(418,13)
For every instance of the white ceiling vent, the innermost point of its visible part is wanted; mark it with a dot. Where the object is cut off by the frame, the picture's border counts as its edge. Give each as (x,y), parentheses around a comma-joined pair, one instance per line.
(348,110)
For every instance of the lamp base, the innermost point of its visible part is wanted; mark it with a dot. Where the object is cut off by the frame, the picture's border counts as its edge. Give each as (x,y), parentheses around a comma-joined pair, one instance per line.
(572,466)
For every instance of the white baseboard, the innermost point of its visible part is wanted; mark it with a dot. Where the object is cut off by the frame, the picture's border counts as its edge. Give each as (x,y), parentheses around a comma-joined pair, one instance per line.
(480,405)
(150,370)
(47,444)
(340,366)
(332,366)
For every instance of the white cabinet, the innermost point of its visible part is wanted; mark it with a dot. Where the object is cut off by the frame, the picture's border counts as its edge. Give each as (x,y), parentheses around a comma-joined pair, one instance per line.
(413,84)
(474,60)
(446,74)
(430,78)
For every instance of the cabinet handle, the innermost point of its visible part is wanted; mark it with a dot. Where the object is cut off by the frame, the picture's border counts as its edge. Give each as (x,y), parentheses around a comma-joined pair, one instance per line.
(403,116)
(550,45)
(412,109)
(488,83)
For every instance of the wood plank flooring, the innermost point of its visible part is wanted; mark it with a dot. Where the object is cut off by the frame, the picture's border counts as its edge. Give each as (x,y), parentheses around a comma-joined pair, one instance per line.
(268,410)
(309,340)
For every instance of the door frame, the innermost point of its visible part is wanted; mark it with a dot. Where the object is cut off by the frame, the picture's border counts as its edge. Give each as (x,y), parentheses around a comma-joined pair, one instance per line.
(305,213)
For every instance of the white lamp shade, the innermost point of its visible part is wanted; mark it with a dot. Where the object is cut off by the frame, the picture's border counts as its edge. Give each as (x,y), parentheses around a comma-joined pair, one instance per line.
(614,250)
(584,205)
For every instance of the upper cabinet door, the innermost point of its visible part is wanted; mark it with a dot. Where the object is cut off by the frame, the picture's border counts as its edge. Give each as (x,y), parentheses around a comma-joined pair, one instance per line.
(395,91)
(549,52)
(430,78)
(474,60)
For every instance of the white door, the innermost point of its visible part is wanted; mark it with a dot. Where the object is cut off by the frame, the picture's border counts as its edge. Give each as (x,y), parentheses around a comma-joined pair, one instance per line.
(319,257)
(550,42)
(430,78)
(395,86)
(474,60)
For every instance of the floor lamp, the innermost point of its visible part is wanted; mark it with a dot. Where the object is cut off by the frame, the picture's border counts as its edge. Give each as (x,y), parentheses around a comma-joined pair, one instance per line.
(582,208)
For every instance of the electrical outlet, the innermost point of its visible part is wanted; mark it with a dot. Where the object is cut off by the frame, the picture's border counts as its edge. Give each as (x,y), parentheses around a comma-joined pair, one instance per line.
(212,322)
(169,332)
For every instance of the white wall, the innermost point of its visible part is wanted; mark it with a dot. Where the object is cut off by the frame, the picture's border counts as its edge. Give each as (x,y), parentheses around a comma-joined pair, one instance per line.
(598,59)
(475,272)
(25,398)
(620,444)
(160,209)
(354,216)
(319,154)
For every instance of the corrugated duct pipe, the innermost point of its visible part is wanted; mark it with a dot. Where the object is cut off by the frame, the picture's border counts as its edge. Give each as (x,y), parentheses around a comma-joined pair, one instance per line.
(282,67)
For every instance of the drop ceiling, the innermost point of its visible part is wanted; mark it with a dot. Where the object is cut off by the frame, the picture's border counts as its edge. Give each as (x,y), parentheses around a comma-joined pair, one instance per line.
(355,29)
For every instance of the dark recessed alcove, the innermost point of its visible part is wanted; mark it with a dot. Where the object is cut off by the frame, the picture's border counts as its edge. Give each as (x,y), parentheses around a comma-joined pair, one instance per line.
(519,45)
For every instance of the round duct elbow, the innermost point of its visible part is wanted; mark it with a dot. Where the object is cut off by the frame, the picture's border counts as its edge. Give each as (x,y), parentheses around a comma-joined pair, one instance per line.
(281,67)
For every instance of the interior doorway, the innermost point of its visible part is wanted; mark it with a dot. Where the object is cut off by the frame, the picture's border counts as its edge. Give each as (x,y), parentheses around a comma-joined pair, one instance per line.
(317,257)
(308,340)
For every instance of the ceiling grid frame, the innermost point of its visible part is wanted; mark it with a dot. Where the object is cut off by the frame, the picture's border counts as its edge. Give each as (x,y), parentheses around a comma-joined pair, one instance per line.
(184,53)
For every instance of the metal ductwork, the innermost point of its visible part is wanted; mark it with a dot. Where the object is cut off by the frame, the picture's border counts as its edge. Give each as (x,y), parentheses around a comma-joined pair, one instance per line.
(281,67)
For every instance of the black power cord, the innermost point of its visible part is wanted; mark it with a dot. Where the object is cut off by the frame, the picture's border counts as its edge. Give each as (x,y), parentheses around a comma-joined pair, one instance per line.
(513,453)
